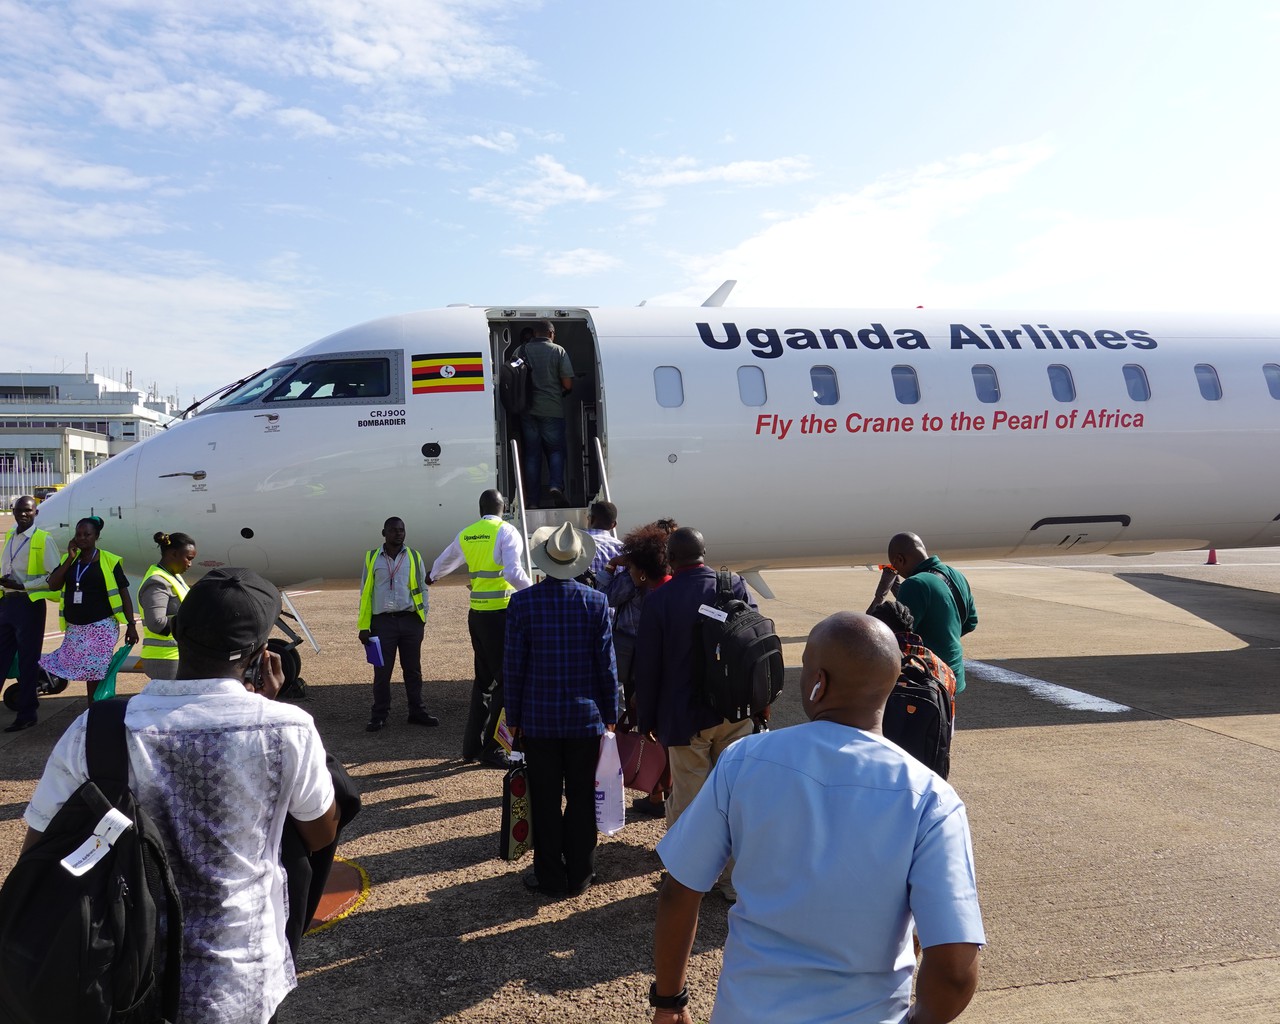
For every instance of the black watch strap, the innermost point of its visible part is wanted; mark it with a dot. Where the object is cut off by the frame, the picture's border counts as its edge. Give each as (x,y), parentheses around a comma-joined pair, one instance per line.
(676,1002)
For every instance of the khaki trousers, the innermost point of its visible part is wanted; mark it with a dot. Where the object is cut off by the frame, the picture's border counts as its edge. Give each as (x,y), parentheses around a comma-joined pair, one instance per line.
(691,765)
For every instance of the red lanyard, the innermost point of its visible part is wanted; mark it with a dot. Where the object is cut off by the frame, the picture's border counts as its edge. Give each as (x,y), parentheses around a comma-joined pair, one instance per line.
(393,568)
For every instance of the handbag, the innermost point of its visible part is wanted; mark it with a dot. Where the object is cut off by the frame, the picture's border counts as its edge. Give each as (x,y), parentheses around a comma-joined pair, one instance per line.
(643,761)
(516,837)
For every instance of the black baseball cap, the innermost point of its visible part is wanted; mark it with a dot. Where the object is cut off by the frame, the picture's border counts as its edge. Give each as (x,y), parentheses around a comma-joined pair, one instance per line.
(228,614)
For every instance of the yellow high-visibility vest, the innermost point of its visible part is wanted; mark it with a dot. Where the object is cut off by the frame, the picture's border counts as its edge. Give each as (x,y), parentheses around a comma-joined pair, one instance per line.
(107,563)
(490,591)
(159,646)
(417,571)
(35,562)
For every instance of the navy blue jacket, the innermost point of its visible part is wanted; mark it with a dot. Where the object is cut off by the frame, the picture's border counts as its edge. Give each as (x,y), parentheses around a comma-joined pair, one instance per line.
(666,703)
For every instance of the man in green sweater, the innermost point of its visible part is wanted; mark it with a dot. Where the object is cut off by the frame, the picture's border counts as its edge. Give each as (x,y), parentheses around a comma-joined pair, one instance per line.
(938,596)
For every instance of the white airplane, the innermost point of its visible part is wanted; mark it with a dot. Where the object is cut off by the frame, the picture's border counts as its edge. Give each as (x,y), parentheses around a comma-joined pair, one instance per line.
(790,437)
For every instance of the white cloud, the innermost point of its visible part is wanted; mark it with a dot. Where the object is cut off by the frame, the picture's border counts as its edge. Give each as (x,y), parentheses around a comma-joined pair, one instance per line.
(876,246)
(21,159)
(898,242)
(384,160)
(194,326)
(31,213)
(746,173)
(499,142)
(579,262)
(547,183)
(305,122)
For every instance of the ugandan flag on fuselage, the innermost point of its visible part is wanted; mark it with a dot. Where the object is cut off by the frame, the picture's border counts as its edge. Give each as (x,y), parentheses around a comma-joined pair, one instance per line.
(447,371)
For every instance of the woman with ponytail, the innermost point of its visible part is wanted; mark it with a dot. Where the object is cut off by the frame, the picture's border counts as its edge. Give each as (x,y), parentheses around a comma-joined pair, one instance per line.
(93,603)
(159,596)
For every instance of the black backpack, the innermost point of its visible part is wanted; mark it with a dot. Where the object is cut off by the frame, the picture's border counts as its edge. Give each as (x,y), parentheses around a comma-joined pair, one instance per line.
(917,715)
(89,948)
(739,656)
(515,384)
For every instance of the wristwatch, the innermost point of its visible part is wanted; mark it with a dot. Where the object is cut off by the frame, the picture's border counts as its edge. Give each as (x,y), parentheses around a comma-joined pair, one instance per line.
(676,1002)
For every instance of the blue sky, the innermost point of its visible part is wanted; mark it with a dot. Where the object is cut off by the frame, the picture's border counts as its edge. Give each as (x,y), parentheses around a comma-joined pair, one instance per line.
(191,190)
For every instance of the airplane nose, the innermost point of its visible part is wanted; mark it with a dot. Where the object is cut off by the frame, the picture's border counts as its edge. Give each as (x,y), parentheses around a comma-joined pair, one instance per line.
(107,491)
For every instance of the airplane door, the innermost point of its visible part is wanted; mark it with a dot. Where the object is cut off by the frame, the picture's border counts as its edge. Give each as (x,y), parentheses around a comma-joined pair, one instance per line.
(1071,535)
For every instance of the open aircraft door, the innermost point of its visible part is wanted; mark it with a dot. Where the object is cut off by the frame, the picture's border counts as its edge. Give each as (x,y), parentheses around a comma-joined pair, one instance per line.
(1071,535)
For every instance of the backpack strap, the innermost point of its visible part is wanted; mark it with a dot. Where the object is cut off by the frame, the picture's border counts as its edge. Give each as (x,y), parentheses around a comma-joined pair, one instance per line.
(106,747)
(955,593)
(724,586)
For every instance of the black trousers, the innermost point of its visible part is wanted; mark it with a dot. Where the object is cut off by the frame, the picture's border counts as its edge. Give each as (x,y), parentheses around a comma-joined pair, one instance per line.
(488,639)
(399,633)
(22,633)
(564,842)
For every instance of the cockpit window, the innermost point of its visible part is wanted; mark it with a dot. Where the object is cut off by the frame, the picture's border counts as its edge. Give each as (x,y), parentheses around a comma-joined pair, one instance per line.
(335,378)
(254,388)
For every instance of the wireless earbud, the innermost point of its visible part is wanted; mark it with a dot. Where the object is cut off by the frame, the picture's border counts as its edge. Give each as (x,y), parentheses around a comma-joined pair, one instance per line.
(813,695)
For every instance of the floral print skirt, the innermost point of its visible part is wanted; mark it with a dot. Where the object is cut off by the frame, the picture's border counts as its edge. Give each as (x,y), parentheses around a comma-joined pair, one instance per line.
(85,652)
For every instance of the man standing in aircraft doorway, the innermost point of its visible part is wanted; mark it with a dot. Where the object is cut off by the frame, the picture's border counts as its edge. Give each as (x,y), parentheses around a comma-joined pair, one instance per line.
(494,553)
(938,596)
(542,424)
(393,609)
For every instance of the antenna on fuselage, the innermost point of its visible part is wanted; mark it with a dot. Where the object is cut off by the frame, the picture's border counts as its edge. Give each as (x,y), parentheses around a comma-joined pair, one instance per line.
(720,294)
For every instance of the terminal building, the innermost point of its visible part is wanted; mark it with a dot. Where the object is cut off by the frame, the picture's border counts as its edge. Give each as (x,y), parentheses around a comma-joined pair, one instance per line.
(55,427)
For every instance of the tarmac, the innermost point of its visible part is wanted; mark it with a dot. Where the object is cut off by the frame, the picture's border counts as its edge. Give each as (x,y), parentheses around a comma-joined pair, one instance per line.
(1116,748)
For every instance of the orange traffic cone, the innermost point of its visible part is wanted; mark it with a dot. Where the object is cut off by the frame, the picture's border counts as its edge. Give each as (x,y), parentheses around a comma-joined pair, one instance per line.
(1213,557)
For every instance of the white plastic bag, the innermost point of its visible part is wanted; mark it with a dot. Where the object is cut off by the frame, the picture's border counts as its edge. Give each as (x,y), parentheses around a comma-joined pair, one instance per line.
(611,809)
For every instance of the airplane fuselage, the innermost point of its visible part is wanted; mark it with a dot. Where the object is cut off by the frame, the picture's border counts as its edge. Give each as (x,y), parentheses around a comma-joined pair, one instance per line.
(789,437)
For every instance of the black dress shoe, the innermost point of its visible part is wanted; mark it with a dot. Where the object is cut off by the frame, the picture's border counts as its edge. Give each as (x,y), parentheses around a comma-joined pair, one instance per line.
(646,806)
(496,759)
(582,887)
(375,725)
(19,724)
(532,884)
(422,718)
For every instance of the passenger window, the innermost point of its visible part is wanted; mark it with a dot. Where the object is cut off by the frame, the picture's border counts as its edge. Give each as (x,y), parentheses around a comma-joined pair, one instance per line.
(751,385)
(336,378)
(906,385)
(668,386)
(1061,383)
(1272,372)
(826,389)
(1135,380)
(1210,386)
(986,384)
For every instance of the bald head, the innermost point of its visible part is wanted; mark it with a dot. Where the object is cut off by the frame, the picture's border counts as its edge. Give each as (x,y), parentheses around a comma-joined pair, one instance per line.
(850,664)
(492,503)
(685,547)
(906,551)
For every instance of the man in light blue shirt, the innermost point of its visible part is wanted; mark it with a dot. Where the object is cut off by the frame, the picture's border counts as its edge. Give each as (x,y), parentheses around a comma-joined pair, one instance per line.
(842,842)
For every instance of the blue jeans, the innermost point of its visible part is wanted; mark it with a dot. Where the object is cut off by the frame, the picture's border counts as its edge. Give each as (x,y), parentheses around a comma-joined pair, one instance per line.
(542,433)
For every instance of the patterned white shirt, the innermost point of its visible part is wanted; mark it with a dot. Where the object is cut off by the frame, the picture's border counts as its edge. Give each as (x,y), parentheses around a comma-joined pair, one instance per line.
(218,768)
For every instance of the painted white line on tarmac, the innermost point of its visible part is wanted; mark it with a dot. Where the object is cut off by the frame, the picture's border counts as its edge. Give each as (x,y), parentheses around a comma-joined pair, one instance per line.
(1073,700)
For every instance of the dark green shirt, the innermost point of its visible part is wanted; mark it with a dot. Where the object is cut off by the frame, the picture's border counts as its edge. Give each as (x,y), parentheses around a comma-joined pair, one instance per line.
(939,621)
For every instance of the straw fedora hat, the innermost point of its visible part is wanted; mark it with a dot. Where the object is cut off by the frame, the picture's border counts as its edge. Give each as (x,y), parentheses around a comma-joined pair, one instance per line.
(562,551)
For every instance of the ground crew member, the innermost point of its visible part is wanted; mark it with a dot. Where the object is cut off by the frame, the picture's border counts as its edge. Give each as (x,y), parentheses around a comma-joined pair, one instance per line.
(29,556)
(393,608)
(494,554)
(159,595)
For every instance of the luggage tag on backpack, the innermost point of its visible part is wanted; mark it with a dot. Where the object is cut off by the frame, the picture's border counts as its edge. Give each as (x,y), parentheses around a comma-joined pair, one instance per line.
(713,613)
(112,826)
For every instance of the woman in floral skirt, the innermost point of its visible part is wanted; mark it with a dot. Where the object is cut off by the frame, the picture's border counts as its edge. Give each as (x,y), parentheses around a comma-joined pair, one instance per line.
(93,604)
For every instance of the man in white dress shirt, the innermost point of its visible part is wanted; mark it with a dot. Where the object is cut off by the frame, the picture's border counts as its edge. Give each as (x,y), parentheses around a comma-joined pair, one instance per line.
(494,555)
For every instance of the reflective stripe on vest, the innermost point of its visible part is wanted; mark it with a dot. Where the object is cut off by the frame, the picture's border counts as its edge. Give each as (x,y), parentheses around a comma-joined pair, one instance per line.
(417,571)
(490,591)
(107,562)
(158,646)
(35,562)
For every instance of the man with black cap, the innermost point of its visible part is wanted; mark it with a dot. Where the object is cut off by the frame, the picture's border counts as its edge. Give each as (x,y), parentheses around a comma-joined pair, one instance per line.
(219,766)
(562,693)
